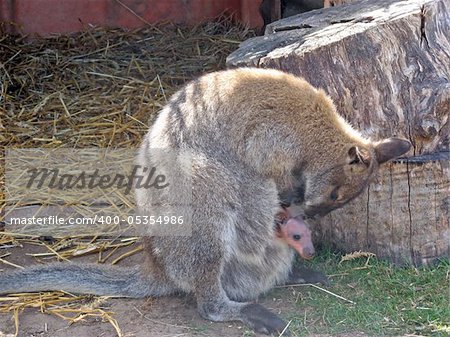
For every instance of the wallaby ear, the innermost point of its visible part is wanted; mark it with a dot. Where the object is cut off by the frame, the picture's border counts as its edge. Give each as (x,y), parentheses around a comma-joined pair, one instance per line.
(391,148)
(357,156)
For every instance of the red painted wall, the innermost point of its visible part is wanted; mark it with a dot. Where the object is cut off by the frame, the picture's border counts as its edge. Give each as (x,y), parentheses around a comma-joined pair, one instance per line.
(45,17)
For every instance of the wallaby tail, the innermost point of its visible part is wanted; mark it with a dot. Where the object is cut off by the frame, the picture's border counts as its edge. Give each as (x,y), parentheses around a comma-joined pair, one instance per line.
(89,278)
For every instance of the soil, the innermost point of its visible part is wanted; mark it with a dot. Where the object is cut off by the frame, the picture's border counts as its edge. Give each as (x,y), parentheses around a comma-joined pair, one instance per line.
(159,317)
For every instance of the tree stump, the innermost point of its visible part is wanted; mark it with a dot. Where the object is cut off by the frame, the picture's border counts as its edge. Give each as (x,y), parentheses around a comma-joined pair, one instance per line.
(386,65)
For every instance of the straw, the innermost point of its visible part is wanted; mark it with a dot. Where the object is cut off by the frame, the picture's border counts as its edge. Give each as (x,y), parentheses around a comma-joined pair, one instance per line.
(99,88)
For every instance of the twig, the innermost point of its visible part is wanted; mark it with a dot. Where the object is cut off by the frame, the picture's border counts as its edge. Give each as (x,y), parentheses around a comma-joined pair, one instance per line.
(331,293)
(16,321)
(10,263)
(131,252)
(317,287)
(285,328)
(133,12)
(163,323)
(162,89)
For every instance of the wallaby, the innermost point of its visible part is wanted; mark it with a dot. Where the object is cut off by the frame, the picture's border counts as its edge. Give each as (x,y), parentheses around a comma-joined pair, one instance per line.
(295,233)
(259,139)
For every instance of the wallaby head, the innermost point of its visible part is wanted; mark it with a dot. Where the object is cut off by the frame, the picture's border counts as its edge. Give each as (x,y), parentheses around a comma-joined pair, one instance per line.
(296,233)
(331,186)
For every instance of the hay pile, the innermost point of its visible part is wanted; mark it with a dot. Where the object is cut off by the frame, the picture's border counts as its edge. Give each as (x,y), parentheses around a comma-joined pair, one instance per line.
(99,88)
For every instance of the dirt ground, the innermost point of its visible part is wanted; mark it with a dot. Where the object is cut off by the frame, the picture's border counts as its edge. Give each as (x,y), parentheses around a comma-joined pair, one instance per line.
(159,317)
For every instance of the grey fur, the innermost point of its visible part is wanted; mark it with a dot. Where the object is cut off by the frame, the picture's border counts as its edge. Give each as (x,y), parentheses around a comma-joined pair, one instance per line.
(82,278)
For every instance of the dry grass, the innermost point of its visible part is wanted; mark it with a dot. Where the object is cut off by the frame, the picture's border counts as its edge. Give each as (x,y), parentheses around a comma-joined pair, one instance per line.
(67,306)
(100,88)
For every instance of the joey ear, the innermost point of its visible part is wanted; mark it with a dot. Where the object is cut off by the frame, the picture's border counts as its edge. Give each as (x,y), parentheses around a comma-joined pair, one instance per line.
(391,148)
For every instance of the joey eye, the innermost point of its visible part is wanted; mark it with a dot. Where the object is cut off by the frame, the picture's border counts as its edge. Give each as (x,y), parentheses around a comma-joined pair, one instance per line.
(296,237)
(334,194)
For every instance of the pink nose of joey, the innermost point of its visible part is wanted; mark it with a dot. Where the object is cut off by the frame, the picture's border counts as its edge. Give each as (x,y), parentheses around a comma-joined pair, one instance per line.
(308,252)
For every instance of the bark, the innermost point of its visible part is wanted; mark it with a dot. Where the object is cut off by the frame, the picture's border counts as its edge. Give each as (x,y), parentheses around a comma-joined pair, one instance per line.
(402,217)
(385,63)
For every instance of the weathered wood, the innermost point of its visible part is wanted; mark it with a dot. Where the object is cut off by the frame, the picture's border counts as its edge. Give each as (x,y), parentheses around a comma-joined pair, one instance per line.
(386,64)
(403,216)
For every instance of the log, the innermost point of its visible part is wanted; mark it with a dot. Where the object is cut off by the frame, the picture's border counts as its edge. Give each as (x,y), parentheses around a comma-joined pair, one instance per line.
(386,65)
(402,217)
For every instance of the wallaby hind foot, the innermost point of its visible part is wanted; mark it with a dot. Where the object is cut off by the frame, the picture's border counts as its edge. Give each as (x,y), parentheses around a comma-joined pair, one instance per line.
(262,320)
(213,304)
(253,315)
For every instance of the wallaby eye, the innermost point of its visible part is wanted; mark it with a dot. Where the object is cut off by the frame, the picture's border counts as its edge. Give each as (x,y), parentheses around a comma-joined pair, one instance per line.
(296,237)
(334,194)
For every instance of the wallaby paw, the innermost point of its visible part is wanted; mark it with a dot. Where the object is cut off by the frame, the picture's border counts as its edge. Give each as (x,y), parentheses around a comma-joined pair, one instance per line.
(262,320)
(305,275)
(317,277)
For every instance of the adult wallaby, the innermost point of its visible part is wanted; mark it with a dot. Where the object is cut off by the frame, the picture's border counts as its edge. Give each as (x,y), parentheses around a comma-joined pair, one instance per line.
(257,138)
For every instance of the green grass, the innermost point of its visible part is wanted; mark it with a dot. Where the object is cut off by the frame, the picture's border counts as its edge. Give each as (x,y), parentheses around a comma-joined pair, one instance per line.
(389,300)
